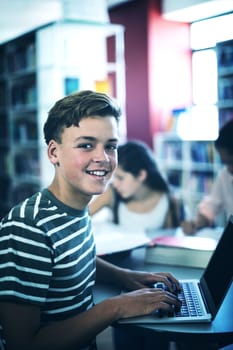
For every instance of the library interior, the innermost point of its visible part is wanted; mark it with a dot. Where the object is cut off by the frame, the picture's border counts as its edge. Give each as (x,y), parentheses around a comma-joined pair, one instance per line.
(168,64)
(171,73)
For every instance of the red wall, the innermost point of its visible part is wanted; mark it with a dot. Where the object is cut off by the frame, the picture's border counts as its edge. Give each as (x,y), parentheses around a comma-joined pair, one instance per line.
(169,68)
(133,16)
(158,66)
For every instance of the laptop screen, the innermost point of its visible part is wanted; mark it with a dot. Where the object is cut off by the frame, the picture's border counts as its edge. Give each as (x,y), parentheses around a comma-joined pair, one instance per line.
(218,275)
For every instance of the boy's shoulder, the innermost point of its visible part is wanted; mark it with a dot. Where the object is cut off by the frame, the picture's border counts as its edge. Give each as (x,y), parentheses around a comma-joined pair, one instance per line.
(31,209)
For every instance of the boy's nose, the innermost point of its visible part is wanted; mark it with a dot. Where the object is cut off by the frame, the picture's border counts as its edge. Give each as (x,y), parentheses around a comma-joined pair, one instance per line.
(100,154)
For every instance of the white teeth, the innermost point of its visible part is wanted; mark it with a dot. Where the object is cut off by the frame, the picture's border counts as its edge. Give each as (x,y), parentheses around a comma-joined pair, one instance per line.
(97,173)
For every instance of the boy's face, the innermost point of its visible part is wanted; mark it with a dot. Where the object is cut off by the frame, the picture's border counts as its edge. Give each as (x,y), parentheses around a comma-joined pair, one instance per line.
(86,157)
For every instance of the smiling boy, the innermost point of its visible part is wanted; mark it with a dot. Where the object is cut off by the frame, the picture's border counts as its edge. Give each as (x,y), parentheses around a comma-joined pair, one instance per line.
(48,261)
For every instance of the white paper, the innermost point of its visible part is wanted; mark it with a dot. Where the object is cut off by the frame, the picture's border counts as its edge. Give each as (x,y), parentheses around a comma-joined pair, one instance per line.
(111,238)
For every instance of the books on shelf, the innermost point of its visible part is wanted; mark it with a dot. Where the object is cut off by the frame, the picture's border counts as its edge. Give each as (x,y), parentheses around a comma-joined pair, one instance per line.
(201,181)
(202,152)
(191,251)
(21,58)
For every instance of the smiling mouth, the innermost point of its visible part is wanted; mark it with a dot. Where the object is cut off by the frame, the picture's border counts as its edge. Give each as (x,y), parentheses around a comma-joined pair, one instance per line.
(100,173)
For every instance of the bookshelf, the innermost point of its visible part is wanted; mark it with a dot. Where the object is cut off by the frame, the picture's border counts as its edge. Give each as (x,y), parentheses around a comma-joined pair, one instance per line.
(4,133)
(189,166)
(225,80)
(37,69)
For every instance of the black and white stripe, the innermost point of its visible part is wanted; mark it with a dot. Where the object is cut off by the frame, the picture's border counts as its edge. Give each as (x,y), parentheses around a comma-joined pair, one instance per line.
(47,257)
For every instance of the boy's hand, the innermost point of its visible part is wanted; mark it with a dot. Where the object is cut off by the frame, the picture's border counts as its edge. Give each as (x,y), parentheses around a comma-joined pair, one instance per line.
(145,301)
(131,280)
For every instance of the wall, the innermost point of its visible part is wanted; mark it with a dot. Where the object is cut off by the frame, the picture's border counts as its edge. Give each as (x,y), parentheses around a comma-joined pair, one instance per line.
(169,68)
(158,73)
(133,16)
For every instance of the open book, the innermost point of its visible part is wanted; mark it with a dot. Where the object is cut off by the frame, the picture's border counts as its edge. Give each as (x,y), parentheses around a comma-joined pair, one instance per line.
(111,238)
(169,246)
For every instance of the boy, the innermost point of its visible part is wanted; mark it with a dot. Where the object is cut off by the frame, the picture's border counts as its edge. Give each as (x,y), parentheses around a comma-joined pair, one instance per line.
(220,200)
(48,263)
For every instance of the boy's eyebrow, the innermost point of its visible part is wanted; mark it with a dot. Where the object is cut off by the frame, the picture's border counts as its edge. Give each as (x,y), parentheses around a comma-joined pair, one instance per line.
(91,138)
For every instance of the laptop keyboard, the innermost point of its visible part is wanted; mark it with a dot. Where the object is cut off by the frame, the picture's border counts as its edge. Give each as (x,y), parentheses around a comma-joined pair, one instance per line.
(190,301)
(191,304)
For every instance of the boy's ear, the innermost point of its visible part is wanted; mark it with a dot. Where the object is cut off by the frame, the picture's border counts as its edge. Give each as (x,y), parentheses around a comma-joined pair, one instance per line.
(53,152)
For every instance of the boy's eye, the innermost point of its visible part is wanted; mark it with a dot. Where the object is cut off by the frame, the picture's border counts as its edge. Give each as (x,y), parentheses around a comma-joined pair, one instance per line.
(90,146)
(85,146)
(111,147)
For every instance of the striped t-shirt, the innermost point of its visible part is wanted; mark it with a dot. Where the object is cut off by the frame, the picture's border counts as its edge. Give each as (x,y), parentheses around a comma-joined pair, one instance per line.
(47,257)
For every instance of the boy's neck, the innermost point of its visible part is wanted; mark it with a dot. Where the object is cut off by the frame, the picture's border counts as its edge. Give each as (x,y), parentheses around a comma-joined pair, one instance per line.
(74,200)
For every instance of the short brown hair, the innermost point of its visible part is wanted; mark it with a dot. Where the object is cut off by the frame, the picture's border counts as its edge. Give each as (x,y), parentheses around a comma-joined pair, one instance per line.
(71,109)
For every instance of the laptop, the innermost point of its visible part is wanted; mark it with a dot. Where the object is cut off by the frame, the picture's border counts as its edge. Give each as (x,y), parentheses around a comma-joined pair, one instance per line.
(203,298)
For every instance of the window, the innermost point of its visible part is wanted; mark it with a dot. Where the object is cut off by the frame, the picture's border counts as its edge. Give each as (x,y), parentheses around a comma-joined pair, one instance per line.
(195,123)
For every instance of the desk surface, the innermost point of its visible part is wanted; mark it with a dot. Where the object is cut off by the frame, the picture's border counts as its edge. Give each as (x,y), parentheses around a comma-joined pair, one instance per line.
(220,330)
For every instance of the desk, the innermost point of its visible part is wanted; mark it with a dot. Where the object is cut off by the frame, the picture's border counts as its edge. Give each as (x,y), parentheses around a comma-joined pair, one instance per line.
(217,334)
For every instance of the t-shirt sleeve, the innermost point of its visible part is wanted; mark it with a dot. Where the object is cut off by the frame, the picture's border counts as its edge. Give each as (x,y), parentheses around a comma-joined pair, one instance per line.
(25,262)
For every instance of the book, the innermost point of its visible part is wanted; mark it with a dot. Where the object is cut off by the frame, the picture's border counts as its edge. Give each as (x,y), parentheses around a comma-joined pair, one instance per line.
(190,251)
(111,238)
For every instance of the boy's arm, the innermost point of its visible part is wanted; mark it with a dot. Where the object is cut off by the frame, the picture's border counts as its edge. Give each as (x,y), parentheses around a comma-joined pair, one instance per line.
(22,329)
(22,325)
(131,280)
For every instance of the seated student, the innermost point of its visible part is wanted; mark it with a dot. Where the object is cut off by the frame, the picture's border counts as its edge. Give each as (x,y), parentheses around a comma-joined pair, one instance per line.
(139,196)
(220,200)
(48,262)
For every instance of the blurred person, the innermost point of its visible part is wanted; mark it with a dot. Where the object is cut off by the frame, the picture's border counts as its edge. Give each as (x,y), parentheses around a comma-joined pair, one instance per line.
(139,196)
(220,199)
